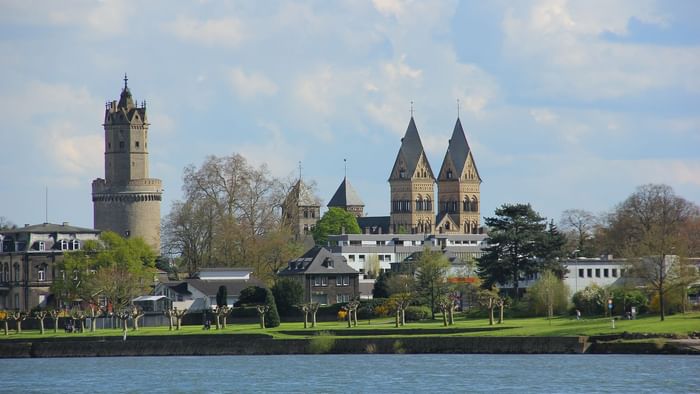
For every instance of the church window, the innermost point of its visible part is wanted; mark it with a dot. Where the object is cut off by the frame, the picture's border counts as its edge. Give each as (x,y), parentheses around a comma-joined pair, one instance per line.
(137,144)
(402,173)
(109,145)
(449,174)
(121,144)
(306,214)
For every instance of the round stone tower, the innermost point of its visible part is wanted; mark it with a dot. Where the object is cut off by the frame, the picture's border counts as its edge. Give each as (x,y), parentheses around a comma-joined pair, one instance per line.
(127,201)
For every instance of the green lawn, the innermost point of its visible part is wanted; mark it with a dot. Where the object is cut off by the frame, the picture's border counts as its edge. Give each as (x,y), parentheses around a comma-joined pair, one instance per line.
(560,326)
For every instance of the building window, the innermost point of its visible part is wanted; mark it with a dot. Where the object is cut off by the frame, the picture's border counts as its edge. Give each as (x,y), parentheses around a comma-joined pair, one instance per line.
(137,144)
(320,281)
(614,272)
(324,281)
(597,272)
(589,273)
(580,273)
(306,214)
(606,273)
(75,244)
(42,246)
(64,244)
(121,144)
(41,274)
(351,258)
(342,298)
(449,174)
(361,258)
(17,301)
(342,280)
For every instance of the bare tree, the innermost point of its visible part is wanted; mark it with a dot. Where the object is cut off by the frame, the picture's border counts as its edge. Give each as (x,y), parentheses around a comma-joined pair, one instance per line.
(351,309)
(262,309)
(18,317)
(313,307)
(136,314)
(579,226)
(305,309)
(178,314)
(55,314)
(647,227)
(40,316)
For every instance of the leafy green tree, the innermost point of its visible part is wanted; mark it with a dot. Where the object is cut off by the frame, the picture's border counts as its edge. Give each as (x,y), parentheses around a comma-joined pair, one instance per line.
(335,221)
(251,295)
(517,237)
(272,318)
(549,295)
(288,294)
(381,286)
(431,276)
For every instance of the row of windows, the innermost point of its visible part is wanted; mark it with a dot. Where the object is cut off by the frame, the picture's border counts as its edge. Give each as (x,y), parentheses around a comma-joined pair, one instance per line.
(6,277)
(309,214)
(342,298)
(121,145)
(453,206)
(606,272)
(340,280)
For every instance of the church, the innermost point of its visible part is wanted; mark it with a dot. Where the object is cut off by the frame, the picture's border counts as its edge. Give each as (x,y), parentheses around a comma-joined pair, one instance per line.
(413,206)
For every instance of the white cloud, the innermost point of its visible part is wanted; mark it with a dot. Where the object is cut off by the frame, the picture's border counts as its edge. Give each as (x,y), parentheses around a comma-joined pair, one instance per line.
(251,85)
(74,156)
(315,90)
(543,115)
(389,7)
(223,32)
(400,69)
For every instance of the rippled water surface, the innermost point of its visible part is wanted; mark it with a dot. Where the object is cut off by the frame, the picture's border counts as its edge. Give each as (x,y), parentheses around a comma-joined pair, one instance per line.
(355,373)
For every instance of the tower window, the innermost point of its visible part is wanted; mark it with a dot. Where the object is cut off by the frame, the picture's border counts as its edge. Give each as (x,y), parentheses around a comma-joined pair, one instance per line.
(449,174)
(137,144)
(121,144)
(109,145)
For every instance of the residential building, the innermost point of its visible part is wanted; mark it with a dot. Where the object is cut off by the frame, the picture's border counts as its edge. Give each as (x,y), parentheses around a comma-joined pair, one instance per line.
(127,200)
(28,258)
(325,277)
(199,293)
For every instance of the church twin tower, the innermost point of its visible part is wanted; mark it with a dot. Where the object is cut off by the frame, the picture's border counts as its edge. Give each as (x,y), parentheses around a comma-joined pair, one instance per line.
(412,184)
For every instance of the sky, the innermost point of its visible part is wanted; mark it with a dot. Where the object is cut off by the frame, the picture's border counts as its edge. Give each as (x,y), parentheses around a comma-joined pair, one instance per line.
(565,104)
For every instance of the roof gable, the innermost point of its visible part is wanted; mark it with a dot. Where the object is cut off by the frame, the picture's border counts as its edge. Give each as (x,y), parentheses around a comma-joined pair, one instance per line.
(411,154)
(345,196)
(318,260)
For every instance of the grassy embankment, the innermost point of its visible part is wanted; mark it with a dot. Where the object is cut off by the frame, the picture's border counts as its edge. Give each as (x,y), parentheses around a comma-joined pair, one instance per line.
(560,326)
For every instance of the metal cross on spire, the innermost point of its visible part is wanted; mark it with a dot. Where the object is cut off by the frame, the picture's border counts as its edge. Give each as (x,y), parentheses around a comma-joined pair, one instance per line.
(411,108)
(345,164)
(300,170)
(125,80)
(457,108)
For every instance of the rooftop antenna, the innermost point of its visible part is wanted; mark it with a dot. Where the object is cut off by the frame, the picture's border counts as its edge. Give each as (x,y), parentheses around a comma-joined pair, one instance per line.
(457,108)
(46,205)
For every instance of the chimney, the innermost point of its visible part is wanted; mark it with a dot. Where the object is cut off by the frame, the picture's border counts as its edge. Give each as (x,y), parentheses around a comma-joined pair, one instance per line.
(64,224)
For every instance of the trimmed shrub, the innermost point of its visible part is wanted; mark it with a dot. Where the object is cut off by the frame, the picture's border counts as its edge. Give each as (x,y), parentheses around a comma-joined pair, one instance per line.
(272,318)
(288,293)
(415,313)
(251,295)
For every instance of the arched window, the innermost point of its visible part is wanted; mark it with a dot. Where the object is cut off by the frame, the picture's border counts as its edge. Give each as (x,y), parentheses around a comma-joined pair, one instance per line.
(475,204)
(465,204)
(449,174)
(428,204)
(419,203)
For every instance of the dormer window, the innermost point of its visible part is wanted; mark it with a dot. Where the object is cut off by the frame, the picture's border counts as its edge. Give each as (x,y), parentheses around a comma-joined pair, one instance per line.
(402,173)
(329,263)
(42,246)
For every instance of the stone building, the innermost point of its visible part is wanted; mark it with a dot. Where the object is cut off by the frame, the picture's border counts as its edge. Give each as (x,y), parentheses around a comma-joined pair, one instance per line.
(326,277)
(412,185)
(301,210)
(459,186)
(347,198)
(127,200)
(28,258)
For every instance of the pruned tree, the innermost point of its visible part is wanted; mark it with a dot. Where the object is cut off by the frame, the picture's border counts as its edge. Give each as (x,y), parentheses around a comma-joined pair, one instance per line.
(305,309)
(262,311)
(351,309)
(648,228)
(80,316)
(55,314)
(221,312)
(40,316)
(489,299)
(399,302)
(123,316)
(18,317)
(169,314)
(445,303)
(313,308)
(5,319)
(178,315)
(136,314)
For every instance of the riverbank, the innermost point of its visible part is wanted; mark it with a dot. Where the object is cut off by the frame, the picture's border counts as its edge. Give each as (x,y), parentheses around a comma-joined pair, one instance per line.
(261,344)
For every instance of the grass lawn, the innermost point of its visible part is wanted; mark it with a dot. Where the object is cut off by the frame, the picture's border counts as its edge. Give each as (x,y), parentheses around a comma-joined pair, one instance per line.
(560,326)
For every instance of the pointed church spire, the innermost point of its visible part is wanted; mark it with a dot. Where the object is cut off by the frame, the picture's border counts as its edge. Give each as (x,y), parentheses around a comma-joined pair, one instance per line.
(125,99)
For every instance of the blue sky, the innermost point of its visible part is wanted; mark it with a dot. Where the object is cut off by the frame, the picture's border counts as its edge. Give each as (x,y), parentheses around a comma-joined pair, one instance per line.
(566,104)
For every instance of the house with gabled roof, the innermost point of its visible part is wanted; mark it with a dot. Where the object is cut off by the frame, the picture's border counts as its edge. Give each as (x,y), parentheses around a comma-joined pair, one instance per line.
(325,277)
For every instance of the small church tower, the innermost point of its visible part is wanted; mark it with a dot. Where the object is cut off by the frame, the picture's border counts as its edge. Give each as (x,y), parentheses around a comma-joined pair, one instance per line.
(127,201)
(301,210)
(459,184)
(412,185)
(346,198)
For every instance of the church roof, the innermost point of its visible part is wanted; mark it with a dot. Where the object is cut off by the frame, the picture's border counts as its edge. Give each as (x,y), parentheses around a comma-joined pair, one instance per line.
(345,196)
(303,195)
(411,149)
(458,149)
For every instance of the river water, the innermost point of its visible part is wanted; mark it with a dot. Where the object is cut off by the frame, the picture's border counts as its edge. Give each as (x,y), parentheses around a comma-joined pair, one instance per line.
(355,374)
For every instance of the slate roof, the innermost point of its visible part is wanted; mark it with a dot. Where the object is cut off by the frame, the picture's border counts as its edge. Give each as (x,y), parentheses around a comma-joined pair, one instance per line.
(315,261)
(374,223)
(411,150)
(51,228)
(211,287)
(303,195)
(458,150)
(345,196)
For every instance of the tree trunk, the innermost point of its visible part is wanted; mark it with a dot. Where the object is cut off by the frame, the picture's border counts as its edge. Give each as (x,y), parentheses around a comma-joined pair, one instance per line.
(491,312)
(19,326)
(349,316)
(432,303)
(306,319)
(452,314)
(223,320)
(41,326)
(662,301)
(217,320)
(398,314)
(444,316)
(6,328)
(262,320)
(55,325)
(179,323)
(403,316)
(125,325)
(355,314)
(500,314)
(313,321)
